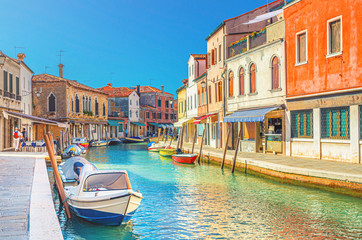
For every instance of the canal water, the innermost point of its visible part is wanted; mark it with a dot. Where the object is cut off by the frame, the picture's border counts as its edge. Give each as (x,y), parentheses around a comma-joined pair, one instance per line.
(204,202)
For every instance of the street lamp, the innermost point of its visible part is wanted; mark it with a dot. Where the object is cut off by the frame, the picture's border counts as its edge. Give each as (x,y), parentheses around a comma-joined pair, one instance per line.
(203,84)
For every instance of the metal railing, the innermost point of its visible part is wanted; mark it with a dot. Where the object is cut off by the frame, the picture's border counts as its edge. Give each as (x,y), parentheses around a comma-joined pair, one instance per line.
(257,40)
(18,97)
(7,94)
(12,95)
(302,124)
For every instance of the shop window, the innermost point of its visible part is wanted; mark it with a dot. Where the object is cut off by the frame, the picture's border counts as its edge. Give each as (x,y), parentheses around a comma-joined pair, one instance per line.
(334,32)
(275,73)
(301,47)
(231,84)
(335,123)
(252,78)
(302,124)
(241,82)
(51,102)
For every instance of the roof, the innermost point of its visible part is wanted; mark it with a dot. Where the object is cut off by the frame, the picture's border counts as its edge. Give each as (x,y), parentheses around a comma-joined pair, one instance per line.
(223,22)
(180,88)
(51,78)
(16,61)
(147,106)
(117,91)
(199,56)
(147,89)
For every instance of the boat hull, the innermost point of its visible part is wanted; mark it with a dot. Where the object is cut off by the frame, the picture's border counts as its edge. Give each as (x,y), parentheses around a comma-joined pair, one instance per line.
(114,142)
(99,144)
(112,212)
(132,140)
(167,152)
(184,158)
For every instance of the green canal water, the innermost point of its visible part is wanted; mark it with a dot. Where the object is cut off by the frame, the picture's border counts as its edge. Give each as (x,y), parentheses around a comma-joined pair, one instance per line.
(204,202)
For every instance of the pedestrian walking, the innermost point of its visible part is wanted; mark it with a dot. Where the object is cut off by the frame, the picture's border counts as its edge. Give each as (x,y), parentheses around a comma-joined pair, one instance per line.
(25,135)
(16,136)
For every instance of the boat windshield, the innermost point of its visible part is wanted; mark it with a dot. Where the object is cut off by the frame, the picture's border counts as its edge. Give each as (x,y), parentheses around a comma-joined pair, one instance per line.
(105,182)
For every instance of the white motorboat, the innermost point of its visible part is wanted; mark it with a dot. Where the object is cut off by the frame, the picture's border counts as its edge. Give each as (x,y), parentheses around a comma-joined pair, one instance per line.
(102,196)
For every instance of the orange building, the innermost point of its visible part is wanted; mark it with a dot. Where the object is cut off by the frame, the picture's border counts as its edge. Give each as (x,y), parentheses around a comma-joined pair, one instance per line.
(324,79)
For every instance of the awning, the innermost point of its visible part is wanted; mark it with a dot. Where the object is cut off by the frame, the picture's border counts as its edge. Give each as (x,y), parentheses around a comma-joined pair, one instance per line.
(115,123)
(153,124)
(139,124)
(198,120)
(255,115)
(264,16)
(34,119)
(181,122)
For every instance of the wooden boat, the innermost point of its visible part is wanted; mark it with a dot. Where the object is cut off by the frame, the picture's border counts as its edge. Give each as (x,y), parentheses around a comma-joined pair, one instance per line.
(82,141)
(133,140)
(184,158)
(168,152)
(114,141)
(99,143)
(102,196)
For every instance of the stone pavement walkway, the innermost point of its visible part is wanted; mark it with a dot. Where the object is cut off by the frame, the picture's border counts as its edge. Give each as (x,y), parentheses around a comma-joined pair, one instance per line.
(26,206)
(296,165)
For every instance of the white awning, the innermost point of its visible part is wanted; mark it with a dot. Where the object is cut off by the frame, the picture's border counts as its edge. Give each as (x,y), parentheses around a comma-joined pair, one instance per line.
(265,16)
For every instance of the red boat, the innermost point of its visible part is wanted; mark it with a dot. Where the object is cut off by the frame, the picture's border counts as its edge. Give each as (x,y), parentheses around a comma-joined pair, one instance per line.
(184,158)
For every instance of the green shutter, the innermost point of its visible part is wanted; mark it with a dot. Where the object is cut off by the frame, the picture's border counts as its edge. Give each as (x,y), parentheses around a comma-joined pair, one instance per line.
(308,125)
(302,120)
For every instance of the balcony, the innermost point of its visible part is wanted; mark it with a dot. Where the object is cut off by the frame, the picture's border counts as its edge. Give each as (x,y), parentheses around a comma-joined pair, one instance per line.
(257,39)
(6,94)
(238,47)
(18,97)
(12,95)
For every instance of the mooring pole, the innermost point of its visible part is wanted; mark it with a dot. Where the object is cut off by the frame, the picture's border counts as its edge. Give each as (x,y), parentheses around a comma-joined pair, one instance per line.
(193,142)
(179,136)
(61,141)
(225,147)
(159,133)
(236,151)
(58,181)
(182,137)
(202,143)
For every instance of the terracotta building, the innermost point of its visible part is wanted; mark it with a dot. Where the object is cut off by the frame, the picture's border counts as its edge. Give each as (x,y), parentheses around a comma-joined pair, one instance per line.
(324,79)
(63,100)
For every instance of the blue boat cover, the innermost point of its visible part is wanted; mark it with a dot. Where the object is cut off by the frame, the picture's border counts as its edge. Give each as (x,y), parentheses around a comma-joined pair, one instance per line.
(255,115)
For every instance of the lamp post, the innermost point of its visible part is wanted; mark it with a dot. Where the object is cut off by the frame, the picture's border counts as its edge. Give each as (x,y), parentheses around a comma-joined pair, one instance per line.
(203,86)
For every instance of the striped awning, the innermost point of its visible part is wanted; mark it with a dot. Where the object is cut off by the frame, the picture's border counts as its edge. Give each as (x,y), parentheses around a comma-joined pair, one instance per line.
(254,115)
(198,120)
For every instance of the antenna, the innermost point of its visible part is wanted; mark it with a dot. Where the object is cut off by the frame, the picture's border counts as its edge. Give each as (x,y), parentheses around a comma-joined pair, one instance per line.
(60,56)
(46,67)
(15,48)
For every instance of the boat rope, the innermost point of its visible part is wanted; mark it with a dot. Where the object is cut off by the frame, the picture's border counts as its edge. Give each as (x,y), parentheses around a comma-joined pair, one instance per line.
(66,199)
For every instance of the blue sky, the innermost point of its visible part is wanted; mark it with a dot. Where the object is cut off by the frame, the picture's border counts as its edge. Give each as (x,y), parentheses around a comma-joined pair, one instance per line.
(132,42)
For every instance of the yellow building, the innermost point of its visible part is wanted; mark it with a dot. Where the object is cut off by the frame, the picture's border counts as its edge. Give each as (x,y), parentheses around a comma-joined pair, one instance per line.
(181,97)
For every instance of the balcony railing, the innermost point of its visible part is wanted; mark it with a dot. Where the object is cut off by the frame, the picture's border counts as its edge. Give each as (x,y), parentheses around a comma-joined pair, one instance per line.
(238,48)
(18,97)
(12,95)
(7,94)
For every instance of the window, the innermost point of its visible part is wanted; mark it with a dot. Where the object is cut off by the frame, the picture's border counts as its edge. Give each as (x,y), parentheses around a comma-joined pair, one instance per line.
(213,56)
(167,104)
(241,82)
(148,115)
(136,102)
(86,104)
(83,103)
(220,53)
(213,131)
(171,105)
(252,78)
(159,102)
(5,81)
(190,103)
(104,109)
(17,86)
(275,73)
(199,98)
(90,104)
(335,123)
(166,116)
(334,32)
(302,123)
(209,94)
(72,105)
(51,103)
(10,82)
(130,102)
(302,47)
(231,84)
(219,91)
(130,113)
(76,103)
(195,100)
(96,110)
(159,116)
(154,116)
(136,113)
(208,60)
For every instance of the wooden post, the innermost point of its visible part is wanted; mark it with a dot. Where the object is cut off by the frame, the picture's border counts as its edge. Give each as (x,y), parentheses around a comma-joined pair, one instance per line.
(166,134)
(193,142)
(56,174)
(159,133)
(179,137)
(182,137)
(236,151)
(225,148)
(202,142)
(61,141)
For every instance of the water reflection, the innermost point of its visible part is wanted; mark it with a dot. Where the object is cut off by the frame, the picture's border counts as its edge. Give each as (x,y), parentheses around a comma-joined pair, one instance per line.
(201,201)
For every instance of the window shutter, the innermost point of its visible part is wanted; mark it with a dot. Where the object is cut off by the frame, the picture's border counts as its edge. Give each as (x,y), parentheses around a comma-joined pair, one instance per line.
(212,56)
(5,81)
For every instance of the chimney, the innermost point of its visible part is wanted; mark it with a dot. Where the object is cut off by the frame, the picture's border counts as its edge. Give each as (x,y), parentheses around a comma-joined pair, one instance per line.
(60,70)
(21,57)
(109,84)
(138,89)
(162,88)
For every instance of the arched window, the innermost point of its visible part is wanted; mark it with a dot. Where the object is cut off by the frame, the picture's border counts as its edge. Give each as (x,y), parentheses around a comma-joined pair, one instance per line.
(104,109)
(52,103)
(96,110)
(231,84)
(72,105)
(76,103)
(252,78)
(241,82)
(86,104)
(84,108)
(275,73)
(90,104)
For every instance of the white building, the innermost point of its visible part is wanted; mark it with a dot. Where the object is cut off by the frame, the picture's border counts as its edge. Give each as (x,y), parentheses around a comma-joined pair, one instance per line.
(134,128)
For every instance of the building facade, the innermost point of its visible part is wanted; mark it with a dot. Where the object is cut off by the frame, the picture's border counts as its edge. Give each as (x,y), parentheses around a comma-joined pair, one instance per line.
(324,79)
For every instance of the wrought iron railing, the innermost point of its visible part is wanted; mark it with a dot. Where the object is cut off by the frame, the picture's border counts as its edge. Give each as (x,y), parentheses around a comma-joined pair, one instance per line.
(7,94)
(18,97)
(12,95)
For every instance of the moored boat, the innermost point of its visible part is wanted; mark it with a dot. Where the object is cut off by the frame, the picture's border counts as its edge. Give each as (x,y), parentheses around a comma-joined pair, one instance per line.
(98,143)
(133,140)
(102,196)
(82,141)
(184,158)
(167,152)
(156,147)
(114,141)
(73,150)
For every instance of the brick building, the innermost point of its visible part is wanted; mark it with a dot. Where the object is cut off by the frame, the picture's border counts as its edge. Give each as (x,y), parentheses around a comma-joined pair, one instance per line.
(64,100)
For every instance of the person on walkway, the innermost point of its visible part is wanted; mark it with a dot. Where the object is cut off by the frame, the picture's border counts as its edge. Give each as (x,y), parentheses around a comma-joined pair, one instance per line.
(25,135)
(16,136)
